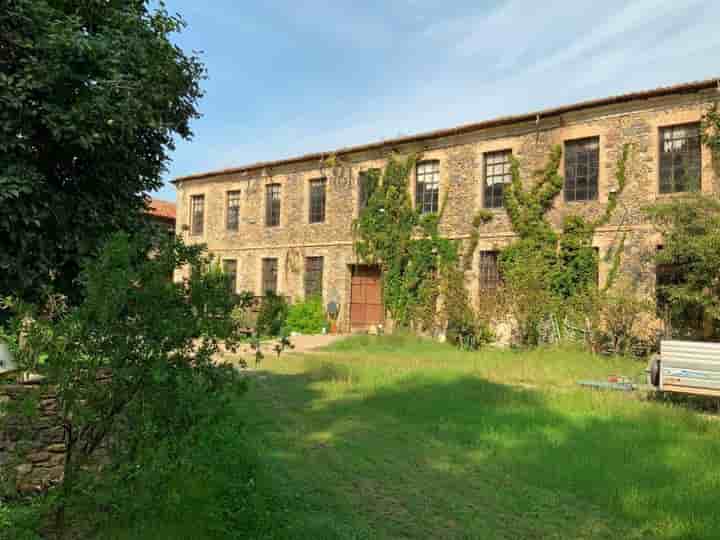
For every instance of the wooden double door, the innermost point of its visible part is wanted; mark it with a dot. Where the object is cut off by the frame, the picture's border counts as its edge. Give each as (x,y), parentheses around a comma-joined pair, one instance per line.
(366,305)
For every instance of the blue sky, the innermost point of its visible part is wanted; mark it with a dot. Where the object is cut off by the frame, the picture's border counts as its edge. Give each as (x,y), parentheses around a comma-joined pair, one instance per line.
(286,77)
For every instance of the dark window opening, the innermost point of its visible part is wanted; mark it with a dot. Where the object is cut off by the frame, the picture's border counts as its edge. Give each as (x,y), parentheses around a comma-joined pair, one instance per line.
(272,205)
(317,200)
(581,169)
(489,271)
(427,187)
(313,276)
(367,182)
(197,214)
(498,172)
(269,276)
(680,158)
(233,210)
(230,271)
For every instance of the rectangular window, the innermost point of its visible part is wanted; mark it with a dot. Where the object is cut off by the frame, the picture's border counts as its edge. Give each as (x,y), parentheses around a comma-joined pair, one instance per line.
(366,186)
(197,214)
(233,210)
(489,271)
(230,270)
(427,187)
(497,174)
(581,169)
(317,200)
(680,158)
(272,205)
(269,276)
(313,276)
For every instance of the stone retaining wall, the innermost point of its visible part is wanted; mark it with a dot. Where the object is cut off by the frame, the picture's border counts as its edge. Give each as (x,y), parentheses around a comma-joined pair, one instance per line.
(32,447)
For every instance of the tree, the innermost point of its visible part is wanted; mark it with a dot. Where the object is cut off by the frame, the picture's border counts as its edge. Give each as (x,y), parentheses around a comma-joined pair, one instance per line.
(690,226)
(93,94)
(133,365)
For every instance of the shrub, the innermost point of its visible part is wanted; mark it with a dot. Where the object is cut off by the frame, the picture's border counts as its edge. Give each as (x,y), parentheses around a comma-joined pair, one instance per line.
(465,329)
(307,317)
(272,316)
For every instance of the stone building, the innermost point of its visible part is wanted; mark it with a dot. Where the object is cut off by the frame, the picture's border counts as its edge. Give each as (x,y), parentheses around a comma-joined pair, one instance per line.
(286,225)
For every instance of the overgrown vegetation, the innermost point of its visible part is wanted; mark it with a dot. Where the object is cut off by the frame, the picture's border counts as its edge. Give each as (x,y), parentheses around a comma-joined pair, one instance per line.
(307,316)
(132,365)
(273,315)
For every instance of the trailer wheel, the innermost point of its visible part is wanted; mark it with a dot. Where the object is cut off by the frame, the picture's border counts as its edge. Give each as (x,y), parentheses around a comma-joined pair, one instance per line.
(655,372)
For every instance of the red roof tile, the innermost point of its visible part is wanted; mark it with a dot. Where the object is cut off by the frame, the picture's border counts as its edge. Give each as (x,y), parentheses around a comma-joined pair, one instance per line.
(161,209)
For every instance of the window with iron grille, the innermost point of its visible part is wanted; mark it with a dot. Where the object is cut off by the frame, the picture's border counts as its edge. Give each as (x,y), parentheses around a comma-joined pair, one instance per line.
(197,214)
(233,210)
(317,200)
(367,181)
(581,169)
(427,186)
(272,205)
(313,276)
(680,158)
(269,276)
(230,270)
(489,271)
(497,174)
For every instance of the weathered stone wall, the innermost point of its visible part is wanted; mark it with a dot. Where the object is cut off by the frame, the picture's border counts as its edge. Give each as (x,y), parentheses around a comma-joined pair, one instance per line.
(461,160)
(32,448)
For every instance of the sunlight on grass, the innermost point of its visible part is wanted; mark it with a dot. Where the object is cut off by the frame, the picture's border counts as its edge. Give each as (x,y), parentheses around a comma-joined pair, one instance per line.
(408,438)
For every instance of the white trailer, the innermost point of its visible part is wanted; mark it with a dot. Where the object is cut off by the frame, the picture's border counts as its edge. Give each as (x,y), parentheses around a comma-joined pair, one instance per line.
(687,367)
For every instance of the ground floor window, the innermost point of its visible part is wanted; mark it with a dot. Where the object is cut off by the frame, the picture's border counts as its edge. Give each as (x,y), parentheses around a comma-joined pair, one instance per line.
(230,270)
(313,276)
(489,271)
(269,276)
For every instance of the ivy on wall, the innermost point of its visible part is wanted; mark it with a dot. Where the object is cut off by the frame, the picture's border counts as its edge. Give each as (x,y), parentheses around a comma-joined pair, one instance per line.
(405,244)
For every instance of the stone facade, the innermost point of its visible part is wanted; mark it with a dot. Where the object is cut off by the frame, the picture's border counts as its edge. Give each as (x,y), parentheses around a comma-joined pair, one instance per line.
(461,153)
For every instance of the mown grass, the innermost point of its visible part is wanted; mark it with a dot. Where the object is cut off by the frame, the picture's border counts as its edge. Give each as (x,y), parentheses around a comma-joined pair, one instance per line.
(396,438)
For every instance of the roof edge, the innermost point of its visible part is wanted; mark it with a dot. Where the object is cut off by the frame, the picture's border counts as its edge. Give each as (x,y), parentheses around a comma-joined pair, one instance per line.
(684,88)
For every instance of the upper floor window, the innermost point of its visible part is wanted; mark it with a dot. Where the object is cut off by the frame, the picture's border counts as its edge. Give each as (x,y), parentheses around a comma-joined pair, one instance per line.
(427,187)
(233,210)
(313,276)
(581,169)
(230,270)
(497,173)
(367,181)
(197,214)
(489,271)
(269,276)
(272,205)
(680,158)
(317,200)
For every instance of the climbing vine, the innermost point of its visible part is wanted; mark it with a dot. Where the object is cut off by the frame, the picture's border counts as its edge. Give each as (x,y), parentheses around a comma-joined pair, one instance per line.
(406,245)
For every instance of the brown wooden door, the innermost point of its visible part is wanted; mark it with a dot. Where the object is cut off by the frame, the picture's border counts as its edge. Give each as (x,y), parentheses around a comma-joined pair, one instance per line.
(366,307)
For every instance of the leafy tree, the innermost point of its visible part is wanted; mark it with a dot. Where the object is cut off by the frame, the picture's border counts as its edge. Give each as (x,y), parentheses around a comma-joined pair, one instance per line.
(132,365)
(93,94)
(690,226)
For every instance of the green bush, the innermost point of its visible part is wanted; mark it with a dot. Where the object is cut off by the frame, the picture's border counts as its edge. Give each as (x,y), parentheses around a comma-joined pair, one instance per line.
(272,316)
(307,317)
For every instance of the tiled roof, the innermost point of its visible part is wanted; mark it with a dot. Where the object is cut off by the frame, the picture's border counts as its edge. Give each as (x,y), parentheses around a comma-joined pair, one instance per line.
(161,209)
(685,88)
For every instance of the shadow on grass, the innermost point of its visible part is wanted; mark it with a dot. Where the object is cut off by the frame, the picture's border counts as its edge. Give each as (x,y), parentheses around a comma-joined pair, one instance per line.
(462,457)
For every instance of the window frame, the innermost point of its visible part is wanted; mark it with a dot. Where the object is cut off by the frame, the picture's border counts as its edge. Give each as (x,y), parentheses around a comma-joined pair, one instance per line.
(489,279)
(495,201)
(232,208)
(273,204)
(673,183)
(197,226)
(364,193)
(269,273)
(232,283)
(583,156)
(317,200)
(313,277)
(427,201)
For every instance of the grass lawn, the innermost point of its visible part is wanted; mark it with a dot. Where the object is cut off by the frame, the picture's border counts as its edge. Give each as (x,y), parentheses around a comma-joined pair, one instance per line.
(393,438)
